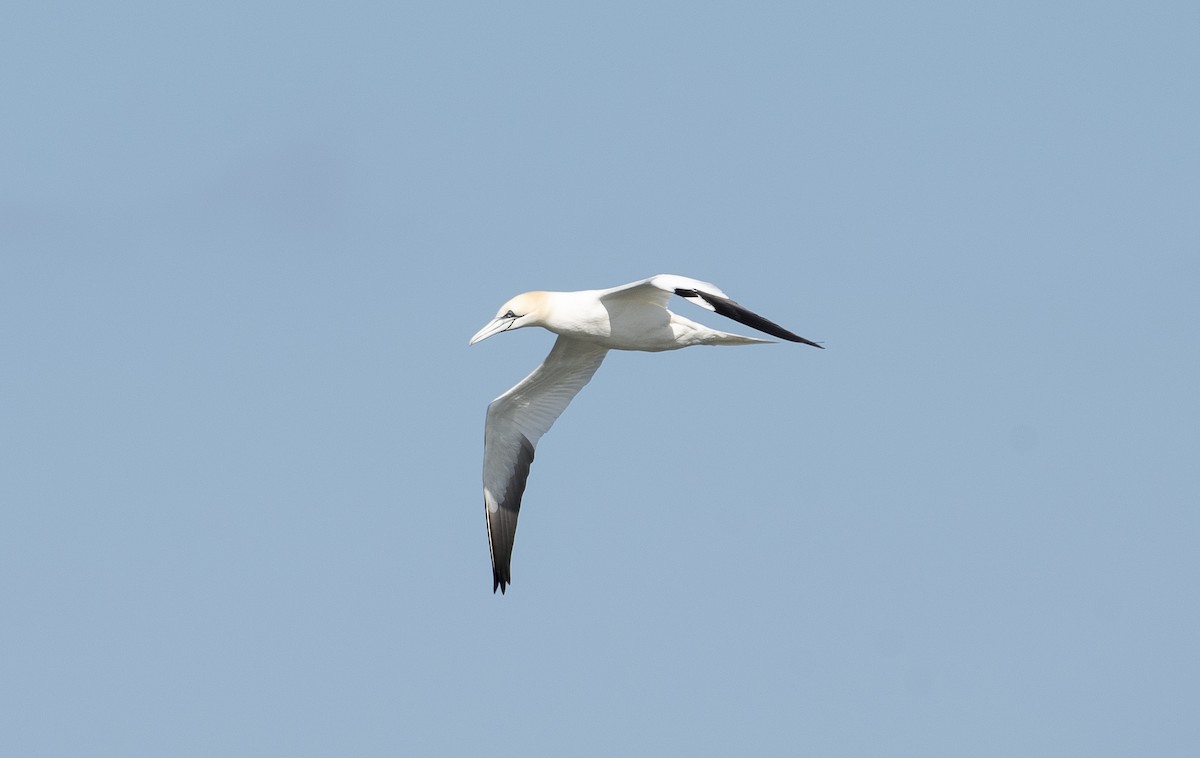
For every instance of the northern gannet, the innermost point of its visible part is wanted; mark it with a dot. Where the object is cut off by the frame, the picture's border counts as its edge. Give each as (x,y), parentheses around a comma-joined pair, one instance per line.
(588,323)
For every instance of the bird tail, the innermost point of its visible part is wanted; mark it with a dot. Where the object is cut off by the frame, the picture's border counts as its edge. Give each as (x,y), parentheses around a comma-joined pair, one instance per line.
(714,337)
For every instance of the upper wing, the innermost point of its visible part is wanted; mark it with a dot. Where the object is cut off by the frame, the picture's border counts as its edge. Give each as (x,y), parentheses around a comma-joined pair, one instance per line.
(658,290)
(515,422)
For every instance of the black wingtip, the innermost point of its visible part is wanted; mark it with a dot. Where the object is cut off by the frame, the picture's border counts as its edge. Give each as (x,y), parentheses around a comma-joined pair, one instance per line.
(731,309)
(499,582)
(797,338)
(502,522)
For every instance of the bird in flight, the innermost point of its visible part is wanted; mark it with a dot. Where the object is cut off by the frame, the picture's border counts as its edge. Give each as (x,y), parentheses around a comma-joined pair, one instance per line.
(588,323)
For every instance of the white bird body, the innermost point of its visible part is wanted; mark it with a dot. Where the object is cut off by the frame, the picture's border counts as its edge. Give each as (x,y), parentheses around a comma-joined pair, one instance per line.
(588,323)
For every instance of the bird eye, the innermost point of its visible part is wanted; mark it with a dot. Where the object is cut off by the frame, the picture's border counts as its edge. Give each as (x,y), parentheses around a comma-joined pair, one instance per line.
(510,314)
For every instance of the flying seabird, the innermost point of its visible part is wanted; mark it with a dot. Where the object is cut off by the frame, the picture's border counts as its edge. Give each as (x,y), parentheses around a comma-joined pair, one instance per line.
(588,323)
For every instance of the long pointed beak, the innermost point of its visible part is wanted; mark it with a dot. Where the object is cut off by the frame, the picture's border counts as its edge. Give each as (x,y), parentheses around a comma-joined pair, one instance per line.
(494,326)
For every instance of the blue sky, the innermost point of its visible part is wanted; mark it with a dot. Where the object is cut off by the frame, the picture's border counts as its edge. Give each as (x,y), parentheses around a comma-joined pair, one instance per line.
(244,246)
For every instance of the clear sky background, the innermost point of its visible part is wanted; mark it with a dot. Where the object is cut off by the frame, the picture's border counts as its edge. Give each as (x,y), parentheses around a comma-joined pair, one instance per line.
(243,248)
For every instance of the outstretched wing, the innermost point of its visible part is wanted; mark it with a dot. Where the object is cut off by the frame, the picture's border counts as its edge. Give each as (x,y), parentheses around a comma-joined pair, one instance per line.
(658,290)
(515,422)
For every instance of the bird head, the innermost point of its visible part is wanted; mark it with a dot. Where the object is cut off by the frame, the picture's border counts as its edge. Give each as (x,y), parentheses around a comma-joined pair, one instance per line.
(522,310)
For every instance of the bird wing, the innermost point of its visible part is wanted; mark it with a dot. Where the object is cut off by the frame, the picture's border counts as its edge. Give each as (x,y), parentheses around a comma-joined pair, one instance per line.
(658,290)
(515,422)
